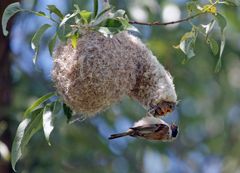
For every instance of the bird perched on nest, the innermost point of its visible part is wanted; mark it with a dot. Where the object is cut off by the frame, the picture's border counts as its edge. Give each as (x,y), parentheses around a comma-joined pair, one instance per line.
(150,128)
(101,70)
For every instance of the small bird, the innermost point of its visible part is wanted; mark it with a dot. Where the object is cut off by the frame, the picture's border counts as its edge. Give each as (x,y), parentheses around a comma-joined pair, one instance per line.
(162,108)
(150,128)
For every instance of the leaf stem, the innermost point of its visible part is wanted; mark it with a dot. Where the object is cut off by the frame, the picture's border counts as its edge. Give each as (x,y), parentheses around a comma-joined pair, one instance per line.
(166,23)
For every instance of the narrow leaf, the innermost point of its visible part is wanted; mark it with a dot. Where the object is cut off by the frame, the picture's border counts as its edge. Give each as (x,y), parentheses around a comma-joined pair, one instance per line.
(223,41)
(26,129)
(105,31)
(192,7)
(57,107)
(231,2)
(52,43)
(213,45)
(55,10)
(66,18)
(105,11)
(35,43)
(132,28)
(119,13)
(8,13)
(222,45)
(74,39)
(86,16)
(113,23)
(48,118)
(104,15)
(67,112)
(38,103)
(187,43)
(40,13)
(95,8)
(61,34)
(222,23)
(208,28)
(16,152)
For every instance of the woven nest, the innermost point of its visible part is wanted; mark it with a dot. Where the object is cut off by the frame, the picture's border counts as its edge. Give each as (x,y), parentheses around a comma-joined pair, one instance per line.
(101,70)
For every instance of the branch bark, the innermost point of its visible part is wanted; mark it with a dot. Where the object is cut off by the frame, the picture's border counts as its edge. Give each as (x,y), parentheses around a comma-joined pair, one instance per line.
(158,23)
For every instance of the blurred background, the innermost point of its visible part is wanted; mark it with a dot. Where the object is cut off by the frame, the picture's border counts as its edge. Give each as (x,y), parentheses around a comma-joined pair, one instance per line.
(208,112)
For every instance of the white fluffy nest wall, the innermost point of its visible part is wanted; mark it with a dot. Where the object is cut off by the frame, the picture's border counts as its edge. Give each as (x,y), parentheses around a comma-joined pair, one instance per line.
(101,70)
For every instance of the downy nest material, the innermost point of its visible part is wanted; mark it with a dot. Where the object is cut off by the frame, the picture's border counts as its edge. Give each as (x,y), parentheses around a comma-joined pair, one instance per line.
(101,70)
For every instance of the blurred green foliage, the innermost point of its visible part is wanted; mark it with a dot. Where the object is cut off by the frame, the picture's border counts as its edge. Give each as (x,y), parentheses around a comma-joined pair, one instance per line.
(208,113)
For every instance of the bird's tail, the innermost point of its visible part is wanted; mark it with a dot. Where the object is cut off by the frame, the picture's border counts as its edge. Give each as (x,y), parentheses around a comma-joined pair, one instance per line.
(118,135)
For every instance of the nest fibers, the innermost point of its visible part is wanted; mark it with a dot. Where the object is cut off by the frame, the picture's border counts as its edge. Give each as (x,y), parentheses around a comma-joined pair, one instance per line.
(101,70)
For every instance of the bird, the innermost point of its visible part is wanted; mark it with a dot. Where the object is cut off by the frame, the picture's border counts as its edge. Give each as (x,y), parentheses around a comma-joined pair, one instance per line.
(150,128)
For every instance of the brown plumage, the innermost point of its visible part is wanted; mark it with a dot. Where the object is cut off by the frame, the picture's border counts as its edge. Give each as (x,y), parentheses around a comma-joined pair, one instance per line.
(147,130)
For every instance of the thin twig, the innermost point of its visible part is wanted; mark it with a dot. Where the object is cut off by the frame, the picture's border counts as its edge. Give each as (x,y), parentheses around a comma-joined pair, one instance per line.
(166,23)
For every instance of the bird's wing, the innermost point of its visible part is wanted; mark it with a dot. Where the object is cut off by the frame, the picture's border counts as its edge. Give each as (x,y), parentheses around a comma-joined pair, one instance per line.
(148,127)
(162,127)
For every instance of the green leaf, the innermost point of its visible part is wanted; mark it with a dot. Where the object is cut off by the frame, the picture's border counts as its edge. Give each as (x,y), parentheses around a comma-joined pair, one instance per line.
(208,28)
(61,34)
(222,23)
(132,28)
(113,23)
(112,26)
(8,13)
(55,10)
(35,43)
(105,31)
(38,103)
(52,43)
(232,2)
(74,39)
(57,107)
(222,45)
(102,16)
(77,8)
(213,45)
(187,43)
(67,17)
(67,112)
(48,119)
(192,7)
(105,11)
(40,13)
(26,129)
(95,8)
(119,13)
(86,16)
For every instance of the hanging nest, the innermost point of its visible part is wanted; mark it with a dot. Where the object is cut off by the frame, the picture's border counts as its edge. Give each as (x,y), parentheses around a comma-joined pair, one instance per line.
(101,70)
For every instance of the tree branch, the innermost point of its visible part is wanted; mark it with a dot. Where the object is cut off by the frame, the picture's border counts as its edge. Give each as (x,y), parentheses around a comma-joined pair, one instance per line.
(166,23)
